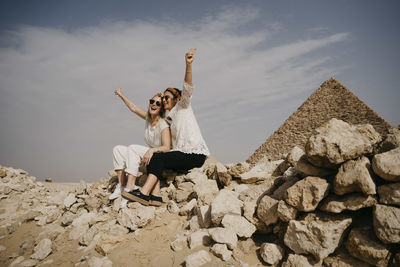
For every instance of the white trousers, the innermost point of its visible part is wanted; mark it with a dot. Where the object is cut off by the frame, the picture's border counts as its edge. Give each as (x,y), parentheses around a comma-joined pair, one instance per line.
(128,158)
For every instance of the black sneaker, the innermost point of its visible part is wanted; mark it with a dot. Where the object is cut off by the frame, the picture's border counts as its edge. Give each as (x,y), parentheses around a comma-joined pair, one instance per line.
(136,195)
(155,201)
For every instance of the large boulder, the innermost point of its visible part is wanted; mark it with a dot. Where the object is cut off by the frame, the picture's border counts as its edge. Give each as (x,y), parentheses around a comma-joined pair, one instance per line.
(198,258)
(337,141)
(317,235)
(306,194)
(298,159)
(271,253)
(135,218)
(267,210)
(342,259)
(337,204)
(42,249)
(286,212)
(295,260)
(224,236)
(206,191)
(389,194)
(362,244)
(392,140)
(239,225)
(226,202)
(263,170)
(387,223)
(387,165)
(354,176)
(235,170)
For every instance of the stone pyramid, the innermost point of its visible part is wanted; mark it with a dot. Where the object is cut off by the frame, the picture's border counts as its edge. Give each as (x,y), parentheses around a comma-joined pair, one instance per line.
(331,100)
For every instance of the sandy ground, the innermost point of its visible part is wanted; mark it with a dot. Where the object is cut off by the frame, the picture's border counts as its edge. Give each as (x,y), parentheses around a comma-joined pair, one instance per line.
(149,246)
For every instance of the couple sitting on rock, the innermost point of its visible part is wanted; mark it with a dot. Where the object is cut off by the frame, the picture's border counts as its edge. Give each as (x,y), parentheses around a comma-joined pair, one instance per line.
(180,126)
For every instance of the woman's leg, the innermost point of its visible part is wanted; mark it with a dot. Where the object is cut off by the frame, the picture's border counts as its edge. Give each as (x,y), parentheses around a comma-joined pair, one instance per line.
(119,160)
(175,160)
(135,155)
(156,189)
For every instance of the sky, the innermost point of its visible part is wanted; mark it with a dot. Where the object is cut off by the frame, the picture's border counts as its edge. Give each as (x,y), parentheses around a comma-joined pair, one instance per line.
(256,63)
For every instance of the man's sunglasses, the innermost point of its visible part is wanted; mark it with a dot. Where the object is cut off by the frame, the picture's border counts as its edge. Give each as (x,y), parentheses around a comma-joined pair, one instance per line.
(158,103)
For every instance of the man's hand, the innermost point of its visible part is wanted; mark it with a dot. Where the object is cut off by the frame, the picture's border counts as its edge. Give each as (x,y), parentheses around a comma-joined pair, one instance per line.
(190,55)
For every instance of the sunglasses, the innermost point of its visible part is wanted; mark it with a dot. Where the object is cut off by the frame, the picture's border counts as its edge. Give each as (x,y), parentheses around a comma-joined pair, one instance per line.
(158,103)
(166,97)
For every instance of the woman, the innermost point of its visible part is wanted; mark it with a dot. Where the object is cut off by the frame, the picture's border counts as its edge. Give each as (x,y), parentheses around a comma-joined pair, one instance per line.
(189,149)
(158,138)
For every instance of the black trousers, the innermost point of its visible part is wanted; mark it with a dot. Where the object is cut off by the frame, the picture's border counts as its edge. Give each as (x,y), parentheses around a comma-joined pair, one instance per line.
(174,160)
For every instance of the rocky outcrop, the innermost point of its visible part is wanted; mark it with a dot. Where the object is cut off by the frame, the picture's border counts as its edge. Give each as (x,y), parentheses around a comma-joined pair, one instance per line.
(337,141)
(387,165)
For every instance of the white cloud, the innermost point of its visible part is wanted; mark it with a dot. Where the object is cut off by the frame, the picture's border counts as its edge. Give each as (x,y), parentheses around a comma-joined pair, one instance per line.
(57,86)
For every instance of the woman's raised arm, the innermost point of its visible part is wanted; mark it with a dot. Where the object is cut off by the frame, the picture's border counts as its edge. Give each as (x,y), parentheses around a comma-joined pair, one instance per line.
(132,107)
(189,57)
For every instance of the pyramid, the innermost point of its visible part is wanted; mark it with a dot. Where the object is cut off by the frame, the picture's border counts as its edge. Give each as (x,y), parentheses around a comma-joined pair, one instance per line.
(331,100)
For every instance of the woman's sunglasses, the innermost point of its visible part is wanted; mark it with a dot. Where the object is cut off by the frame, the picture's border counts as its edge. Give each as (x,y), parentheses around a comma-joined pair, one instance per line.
(158,103)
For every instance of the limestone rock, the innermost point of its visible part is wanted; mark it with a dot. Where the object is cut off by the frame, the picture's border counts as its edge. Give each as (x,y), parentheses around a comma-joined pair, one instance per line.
(183,191)
(387,223)
(108,243)
(172,207)
(316,235)
(343,260)
(179,243)
(288,181)
(389,194)
(99,262)
(239,225)
(363,245)
(387,165)
(295,260)
(221,251)
(261,171)
(93,203)
(271,253)
(133,219)
(78,231)
(286,212)
(68,217)
(306,194)
(198,238)
(198,258)
(235,170)
(196,177)
(204,216)
(267,210)
(220,174)
(188,207)
(42,249)
(298,159)
(354,176)
(337,204)
(226,202)
(392,140)
(206,191)
(337,141)
(224,236)
(69,200)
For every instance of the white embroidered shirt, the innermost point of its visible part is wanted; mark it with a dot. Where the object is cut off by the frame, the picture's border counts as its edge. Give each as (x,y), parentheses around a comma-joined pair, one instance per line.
(185,132)
(152,135)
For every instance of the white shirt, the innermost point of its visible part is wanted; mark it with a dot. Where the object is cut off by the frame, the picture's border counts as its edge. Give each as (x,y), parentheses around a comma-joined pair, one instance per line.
(185,132)
(152,135)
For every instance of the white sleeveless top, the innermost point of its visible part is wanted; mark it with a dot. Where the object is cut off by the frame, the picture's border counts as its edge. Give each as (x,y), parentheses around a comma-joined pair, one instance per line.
(185,132)
(152,135)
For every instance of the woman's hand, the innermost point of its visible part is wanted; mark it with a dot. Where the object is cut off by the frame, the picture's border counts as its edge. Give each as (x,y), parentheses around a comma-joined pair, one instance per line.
(190,55)
(118,92)
(147,157)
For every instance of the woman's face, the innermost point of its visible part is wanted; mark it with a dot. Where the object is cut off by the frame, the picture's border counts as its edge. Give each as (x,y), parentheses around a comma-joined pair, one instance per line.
(169,100)
(155,107)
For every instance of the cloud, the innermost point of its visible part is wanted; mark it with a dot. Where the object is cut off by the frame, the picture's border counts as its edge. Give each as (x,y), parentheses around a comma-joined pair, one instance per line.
(57,101)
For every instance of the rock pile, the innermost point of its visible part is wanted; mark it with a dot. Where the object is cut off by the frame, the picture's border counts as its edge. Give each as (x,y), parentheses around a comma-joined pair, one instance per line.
(336,203)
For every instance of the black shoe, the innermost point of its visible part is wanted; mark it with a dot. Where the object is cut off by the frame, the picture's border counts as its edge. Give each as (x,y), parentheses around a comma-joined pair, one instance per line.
(136,195)
(155,201)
